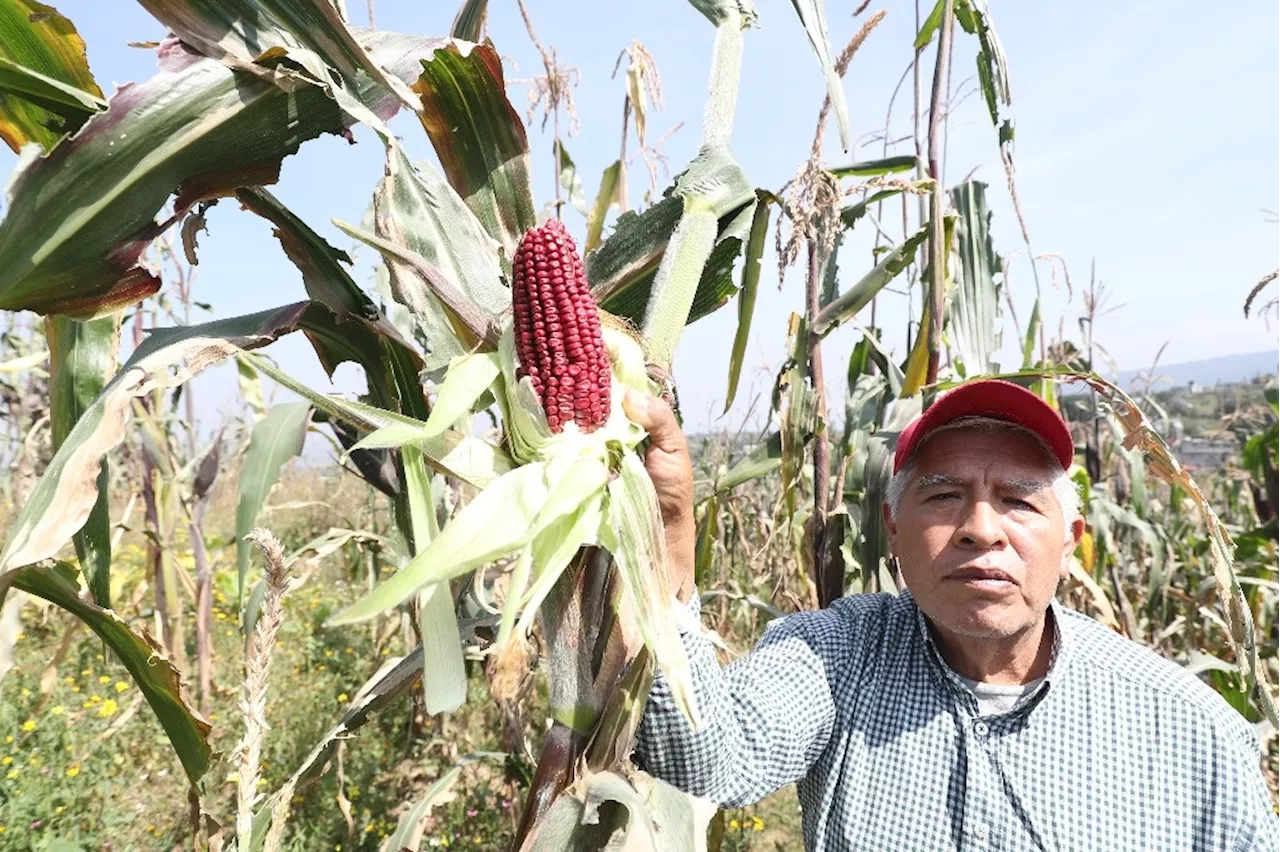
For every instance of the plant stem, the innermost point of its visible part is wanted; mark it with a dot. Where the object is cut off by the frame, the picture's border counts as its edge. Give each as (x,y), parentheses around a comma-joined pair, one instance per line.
(937,248)
(829,587)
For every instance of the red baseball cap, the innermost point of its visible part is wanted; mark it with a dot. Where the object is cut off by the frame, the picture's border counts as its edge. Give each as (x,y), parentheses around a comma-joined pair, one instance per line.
(998,400)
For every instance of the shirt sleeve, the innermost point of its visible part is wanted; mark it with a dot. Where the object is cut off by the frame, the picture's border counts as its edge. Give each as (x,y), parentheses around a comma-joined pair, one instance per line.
(1245,793)
(767,716)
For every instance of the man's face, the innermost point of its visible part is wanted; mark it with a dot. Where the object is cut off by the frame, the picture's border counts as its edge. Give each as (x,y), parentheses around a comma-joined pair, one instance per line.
(979,534)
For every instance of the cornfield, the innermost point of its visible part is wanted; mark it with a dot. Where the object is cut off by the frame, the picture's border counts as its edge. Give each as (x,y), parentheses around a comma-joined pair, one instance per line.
(483,550)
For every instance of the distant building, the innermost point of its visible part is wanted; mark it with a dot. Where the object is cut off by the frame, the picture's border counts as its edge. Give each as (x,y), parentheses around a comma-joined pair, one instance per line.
(1204,453)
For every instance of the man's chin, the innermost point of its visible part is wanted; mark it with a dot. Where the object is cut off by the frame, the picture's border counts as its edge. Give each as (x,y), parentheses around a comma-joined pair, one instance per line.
(986,621)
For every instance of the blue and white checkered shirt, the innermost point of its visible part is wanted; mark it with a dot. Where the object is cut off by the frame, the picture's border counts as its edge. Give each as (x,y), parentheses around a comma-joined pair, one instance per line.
(1118,749)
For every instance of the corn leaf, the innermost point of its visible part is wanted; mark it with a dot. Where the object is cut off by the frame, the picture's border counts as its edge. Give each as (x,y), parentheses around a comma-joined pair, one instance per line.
(571,181)
(763,459)
(637,812)
(63,499)
(46,88)
(479,138)
(554,548)
(930,26)
(410,828)
(79,217)
(82,360)
(243,34)
(876,475)
(467,459)
(417,210)
(973,312)
(873,168)
(361,334)
(623,269)
(468,24)
(155,675)
(527,500)
(857,297)
(276,439)
(467,380)
(814,17)
(633,534)
(747,291)
(609,195)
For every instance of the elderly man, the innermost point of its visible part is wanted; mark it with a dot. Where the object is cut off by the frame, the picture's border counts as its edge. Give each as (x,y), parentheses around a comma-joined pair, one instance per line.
(972,711)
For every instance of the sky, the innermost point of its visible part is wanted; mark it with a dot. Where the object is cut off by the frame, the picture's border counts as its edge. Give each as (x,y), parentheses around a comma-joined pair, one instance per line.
(1146,148)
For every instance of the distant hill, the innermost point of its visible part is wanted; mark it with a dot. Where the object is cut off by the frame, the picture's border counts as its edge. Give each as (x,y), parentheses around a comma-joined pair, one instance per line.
(1209,371)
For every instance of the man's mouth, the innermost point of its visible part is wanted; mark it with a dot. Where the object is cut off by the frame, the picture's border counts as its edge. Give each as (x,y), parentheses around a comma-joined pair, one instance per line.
(983,579)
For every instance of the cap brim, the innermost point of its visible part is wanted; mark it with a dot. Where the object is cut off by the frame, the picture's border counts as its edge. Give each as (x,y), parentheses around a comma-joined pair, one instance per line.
(998,400)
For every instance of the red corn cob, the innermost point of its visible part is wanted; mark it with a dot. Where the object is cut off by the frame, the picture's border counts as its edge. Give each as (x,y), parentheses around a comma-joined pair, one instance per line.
(557,329)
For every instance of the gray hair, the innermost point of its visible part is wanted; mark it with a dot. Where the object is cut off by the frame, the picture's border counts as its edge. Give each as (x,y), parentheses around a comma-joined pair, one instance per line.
(1064,488)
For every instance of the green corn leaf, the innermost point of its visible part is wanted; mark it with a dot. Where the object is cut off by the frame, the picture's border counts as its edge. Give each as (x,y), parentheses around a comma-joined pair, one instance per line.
(973,312)
(312,33)
(814,17)
(468,24)
(470,460)
(275,440)
(705,544)
(554,548)
(860,294)
(479,138)
(417,210)
(571,181)
(873,168)
(876,475)
(65,495)
(851,214)
(410,828)
(609,195)
(624,268)
(82,357)
(360,334)
(467,380)
(528,499)
(930,26)
(762,460)
(198,129)
(1029,339)
(633,534)
(517,583)
(747,292)
(157,678)
(46,89)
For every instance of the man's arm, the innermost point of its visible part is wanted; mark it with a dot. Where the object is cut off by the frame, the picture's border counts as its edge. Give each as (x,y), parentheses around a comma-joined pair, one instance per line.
(769,715)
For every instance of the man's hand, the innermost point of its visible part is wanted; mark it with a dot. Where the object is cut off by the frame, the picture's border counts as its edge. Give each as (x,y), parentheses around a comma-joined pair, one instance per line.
(672,473)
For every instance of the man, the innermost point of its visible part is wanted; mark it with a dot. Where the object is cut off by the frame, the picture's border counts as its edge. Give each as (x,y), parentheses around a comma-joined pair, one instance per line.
(971,711)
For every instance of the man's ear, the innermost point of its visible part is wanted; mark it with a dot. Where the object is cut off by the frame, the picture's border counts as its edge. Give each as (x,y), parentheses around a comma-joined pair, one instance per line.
(890,527)
(1069,547)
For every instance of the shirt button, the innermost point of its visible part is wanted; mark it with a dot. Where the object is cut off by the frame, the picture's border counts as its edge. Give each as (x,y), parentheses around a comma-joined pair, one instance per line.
(980,728)
(980,832)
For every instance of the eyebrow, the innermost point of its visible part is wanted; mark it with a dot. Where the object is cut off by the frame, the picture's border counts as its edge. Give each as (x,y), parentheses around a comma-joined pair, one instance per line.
(1016,486)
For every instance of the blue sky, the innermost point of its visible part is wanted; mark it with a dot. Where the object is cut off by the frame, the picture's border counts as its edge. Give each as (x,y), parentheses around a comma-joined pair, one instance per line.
(1146,142)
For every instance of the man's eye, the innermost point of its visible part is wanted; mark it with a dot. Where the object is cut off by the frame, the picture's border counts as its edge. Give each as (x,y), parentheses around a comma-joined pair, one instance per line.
(944,495)
(1018,503)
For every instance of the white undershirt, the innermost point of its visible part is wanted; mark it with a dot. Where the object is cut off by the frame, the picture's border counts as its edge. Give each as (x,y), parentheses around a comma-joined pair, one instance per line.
(995,699)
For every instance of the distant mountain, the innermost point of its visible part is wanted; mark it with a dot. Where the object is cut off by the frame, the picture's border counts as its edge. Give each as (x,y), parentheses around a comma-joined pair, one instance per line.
(1208,372)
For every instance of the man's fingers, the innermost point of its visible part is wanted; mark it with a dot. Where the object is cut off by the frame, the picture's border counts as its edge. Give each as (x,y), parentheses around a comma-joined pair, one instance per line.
(657,418)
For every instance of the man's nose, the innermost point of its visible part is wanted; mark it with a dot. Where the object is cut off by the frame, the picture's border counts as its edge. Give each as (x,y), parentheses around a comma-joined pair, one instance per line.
(980,527)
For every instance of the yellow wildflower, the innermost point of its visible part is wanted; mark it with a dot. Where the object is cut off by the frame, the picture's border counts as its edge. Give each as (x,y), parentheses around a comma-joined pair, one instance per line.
(6,760)
(104,679)
(8,739)
(328,652)
(757,823)
(29,725)
(25,693)
(733,823)
(73,770)
(121,686)
(57,710)
(108,707)
(342,698)
(13,773)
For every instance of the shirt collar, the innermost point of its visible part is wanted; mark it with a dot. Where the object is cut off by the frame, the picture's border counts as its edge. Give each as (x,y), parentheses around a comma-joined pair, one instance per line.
(1059,659)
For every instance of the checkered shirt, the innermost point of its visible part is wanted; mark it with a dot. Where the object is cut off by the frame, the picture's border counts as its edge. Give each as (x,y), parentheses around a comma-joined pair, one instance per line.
(1118,749)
